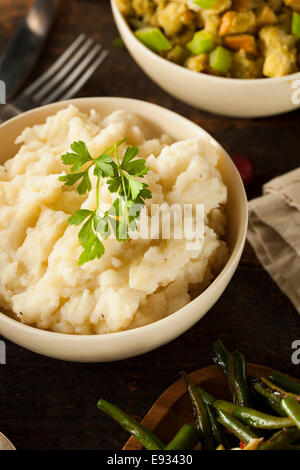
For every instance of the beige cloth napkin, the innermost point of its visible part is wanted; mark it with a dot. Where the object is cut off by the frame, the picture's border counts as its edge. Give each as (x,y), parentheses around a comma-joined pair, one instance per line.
(274,232)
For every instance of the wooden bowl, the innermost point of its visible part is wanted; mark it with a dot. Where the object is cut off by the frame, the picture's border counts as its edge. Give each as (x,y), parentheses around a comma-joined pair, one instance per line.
(173,408)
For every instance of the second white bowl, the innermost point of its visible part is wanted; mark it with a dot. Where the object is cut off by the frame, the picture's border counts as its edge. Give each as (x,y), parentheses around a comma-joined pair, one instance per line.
(245,98)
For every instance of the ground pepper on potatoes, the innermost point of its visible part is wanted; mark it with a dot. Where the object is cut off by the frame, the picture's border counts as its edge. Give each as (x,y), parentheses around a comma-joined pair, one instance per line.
(260,38)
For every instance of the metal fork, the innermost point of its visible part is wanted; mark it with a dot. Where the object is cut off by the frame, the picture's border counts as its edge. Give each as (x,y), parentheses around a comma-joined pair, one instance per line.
(62,80)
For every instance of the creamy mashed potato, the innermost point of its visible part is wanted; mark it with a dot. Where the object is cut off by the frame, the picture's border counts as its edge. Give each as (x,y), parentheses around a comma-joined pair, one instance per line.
(135,282)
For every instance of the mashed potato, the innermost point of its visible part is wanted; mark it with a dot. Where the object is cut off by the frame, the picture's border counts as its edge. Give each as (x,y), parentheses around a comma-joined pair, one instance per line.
(135,282)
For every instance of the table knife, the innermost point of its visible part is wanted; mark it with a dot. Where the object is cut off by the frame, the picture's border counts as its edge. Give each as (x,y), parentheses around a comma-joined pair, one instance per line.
(24,49)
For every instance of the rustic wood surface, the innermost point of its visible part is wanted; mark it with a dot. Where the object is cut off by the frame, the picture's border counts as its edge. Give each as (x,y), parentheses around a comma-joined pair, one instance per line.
(48,404)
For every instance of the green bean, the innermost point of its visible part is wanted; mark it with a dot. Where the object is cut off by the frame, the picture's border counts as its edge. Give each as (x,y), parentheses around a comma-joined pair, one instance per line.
(275,406)
(140,432)
(201,415)
(253,418)
(264,390)
(206,396)
(273,394)
(280,392)
(282,440)
(292,409)
(237,379)
(185,439)
(285,382)
(273,399)
(242,432)
(233,366)
(217,431)
(220,355)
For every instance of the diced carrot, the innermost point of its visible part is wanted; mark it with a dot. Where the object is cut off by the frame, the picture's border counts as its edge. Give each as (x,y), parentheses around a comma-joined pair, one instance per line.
(242,41)
(237,22)
(226,22)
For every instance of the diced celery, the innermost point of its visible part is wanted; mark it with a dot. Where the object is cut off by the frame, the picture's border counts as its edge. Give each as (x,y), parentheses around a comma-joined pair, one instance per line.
(201,42)
(153,38)
(206,4)
(220,59)
(296,24)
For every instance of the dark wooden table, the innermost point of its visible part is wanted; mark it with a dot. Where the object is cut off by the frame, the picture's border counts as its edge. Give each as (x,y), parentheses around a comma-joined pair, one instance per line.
(48,404)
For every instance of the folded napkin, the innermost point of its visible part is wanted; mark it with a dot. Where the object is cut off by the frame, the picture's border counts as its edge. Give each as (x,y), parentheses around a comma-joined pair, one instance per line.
(274,232)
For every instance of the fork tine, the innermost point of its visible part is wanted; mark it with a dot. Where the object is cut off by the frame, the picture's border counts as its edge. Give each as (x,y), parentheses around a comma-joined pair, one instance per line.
(56,66)
(63,72)
(84,78)
(63,87)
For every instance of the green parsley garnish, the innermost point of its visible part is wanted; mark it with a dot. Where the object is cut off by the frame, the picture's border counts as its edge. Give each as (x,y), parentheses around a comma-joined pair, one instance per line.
(131,193)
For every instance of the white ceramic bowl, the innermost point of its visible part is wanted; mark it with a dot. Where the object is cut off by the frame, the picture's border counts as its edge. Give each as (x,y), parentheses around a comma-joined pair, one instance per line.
(114,346)
(227,96)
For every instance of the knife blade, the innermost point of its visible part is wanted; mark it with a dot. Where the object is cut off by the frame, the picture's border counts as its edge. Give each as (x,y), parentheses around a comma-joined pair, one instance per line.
(24,49)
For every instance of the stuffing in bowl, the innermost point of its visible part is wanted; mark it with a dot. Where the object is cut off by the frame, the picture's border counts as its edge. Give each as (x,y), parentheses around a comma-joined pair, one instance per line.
(231,38)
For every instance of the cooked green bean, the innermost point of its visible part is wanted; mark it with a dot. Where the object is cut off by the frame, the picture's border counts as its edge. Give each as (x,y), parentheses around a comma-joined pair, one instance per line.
(140,432)
(220,355)
(237,379)
(217,431)
(239,418)
(292,409)
(201,415)
(206,396)
(279,390)
(253,418)
(273,394)
(282,440)
(275,406)
(242,432)
(285,382)
(185,439)
(273,399)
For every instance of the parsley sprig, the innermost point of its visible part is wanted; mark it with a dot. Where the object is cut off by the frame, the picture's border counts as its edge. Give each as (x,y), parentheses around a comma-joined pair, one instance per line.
(131,193)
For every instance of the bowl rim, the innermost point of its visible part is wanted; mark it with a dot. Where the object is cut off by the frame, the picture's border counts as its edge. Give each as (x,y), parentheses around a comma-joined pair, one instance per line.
(233,258)
(175,67)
